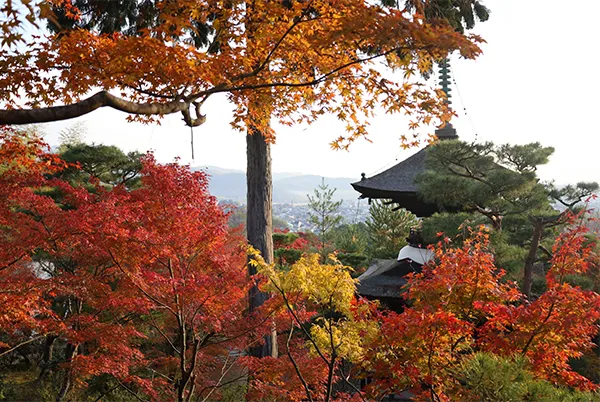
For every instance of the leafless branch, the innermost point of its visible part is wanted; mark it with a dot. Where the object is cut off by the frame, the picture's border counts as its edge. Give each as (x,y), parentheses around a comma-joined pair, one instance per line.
(21,344)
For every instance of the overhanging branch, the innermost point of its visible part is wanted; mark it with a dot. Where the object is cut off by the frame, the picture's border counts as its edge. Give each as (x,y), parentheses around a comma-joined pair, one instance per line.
(182,105)
(96,101)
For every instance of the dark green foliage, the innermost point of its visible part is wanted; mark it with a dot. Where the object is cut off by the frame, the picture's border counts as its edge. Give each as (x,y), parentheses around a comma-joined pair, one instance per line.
(571,195)
(588,365)
(452,225)
(539,285)
(497,185)
(461,14)
(495,379)
(284,238)
(21,386)
(387,229)
(355,260)
(287,256)
(508,255)
(584,282)
(289,247)
(351,238)
(126,16)
(233,392)
(351,243)
(323,213)
(107,388)
(106,163)
(130,17)
(496,181)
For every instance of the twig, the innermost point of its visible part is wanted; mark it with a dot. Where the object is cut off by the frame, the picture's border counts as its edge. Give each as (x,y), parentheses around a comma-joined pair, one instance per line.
(296,368)
(21,344)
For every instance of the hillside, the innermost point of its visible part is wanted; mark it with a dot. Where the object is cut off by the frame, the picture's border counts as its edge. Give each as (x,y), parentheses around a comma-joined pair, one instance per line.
(287,187)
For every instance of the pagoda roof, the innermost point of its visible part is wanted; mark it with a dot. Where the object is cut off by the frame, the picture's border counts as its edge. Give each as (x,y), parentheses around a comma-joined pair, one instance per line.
(383,279)
(399,178)
(398,185)
(386,278)
(398,182)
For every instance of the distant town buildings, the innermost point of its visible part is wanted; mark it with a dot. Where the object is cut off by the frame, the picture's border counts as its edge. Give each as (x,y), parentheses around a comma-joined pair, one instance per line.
(296,215)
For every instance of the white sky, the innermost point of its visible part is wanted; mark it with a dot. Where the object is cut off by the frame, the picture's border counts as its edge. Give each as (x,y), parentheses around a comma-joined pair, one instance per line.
(532,83)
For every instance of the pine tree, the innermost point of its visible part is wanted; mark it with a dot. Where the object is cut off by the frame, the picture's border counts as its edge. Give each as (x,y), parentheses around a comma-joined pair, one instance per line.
(387,229)
(324,215)
(106,163)
(499,182)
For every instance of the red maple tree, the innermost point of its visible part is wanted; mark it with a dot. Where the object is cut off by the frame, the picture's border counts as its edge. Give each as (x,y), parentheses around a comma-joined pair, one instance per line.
(459,305)
(148,286)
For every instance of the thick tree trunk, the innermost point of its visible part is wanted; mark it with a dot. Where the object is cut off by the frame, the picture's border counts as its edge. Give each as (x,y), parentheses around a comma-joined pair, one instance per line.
(46,357)
(538,229)
(259,223)
(70,352)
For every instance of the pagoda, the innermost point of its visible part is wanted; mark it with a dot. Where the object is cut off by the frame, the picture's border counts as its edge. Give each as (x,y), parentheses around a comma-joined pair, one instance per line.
(385,278)
(397,184)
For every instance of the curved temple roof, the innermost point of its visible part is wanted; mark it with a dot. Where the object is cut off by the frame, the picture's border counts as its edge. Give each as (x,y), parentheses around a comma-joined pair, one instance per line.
(385,278)
(398,182)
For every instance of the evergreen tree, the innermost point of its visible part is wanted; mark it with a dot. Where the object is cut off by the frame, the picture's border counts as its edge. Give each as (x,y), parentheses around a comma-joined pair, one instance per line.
(387,229)
(324,212)
(351,242)
(499,182)
(494,378)
(106,163)
(461,14)
(351,238)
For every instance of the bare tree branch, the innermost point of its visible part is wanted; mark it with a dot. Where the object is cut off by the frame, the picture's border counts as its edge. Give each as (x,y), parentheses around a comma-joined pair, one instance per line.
(296,368)
(96,101)
(21,344)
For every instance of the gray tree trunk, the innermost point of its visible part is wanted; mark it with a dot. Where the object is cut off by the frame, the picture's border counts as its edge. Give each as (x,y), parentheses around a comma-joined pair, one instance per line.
(538,229)
(259,220)
(46,357)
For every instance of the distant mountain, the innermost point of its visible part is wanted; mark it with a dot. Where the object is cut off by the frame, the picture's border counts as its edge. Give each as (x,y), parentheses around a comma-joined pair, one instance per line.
(287,187)
(227,184)
(285,175)
(215,170)
(295,189)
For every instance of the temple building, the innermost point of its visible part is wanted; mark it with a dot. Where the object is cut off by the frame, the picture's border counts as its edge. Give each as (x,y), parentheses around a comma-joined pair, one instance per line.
(397,184)
(385,278)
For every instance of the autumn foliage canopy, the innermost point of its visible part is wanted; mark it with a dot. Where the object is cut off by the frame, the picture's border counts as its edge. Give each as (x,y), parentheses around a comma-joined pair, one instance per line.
(290,60)
(145,290)
(138,284)
(149,287)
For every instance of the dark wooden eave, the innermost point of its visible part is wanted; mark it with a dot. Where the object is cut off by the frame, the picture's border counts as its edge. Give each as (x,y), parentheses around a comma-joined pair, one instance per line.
(398,182)
(388,278)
